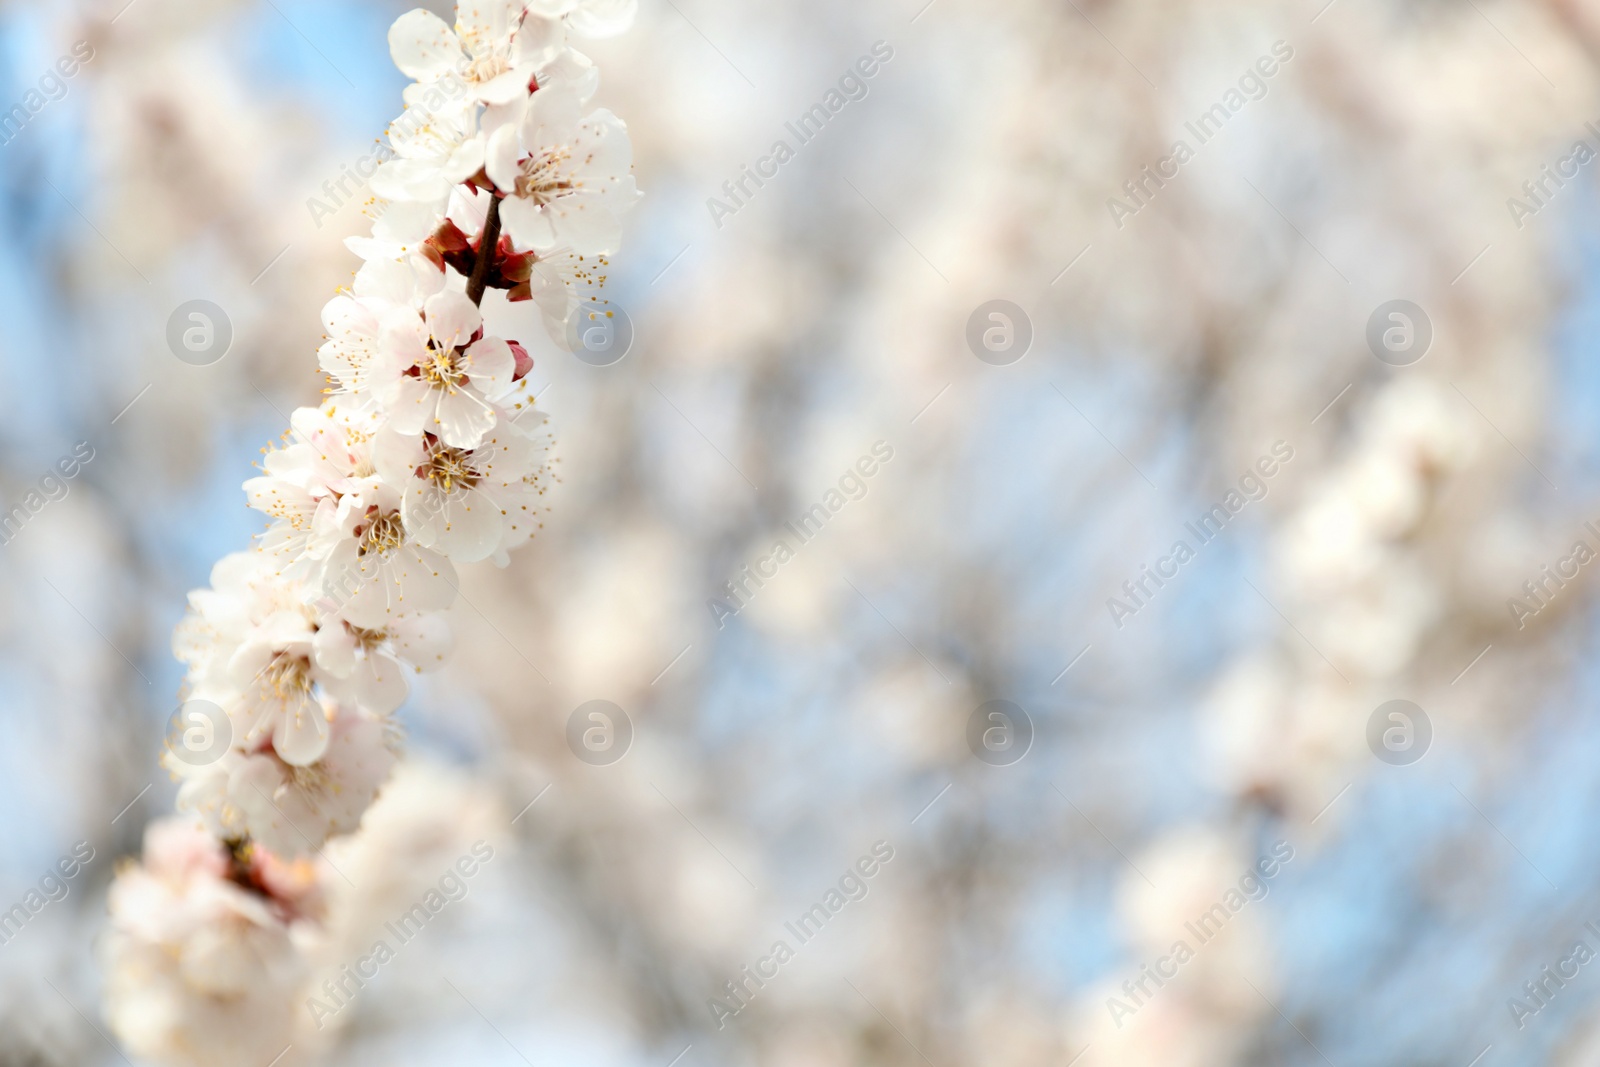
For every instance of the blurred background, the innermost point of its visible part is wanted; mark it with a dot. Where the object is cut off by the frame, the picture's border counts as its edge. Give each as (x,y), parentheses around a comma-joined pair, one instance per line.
(1169,332)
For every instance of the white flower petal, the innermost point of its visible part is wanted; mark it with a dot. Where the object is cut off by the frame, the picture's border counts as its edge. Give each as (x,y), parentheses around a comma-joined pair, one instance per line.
(585,222)
(462,418)
(422,640)
(504,88)
(426,579)
(405,223)
(452,319)
(411,404)
(423,46)
(551,120)
(538,42)
(472,529)
(464,161)
(410,179)
(603,18)
(301,736)
(528,225)
(379,684)
(487,21)
(396,456)
(551,9)
(501,159)
(602,149)
(490,364)
(334,649)
(423,511)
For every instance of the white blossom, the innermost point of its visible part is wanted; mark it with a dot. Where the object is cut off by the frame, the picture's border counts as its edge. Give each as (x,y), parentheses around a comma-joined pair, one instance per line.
(288,809)
(397,273)
(438,373)
(368,666)
(267,650)
(374,573)
(248,643)
(493,50)
(468,504)
(591,18)
(329,455)
(437,144)
(354,325)
(575,70)
(394,269)
(566,176)
(559,279)
(200,969)
(426,454)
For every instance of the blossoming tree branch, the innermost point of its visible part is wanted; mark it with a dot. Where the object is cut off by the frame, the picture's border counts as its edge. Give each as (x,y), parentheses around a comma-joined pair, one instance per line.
(427,454)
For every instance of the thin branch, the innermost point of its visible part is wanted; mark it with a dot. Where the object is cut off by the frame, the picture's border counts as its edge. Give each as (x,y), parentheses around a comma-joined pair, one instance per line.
(486,246)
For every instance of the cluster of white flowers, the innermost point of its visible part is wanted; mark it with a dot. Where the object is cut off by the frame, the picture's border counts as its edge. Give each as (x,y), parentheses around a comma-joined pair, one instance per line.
(1362,583)
(427,453)
(209,950)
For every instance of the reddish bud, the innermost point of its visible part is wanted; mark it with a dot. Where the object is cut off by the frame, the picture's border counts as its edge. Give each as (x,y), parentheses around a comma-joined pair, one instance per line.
(517,269)
(450,244)
(524,361)
(451,238)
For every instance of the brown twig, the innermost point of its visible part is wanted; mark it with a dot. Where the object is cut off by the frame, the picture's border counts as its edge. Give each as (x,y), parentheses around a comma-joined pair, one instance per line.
(486,247)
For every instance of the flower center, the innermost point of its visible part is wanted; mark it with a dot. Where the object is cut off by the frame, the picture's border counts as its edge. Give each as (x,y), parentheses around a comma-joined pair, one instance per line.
(366,639)
(443,369)
(543,177)
(288,678)
(385,534)
(487,68)
(310,781)
(448,468)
